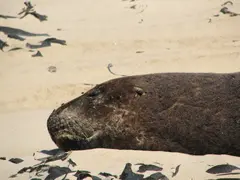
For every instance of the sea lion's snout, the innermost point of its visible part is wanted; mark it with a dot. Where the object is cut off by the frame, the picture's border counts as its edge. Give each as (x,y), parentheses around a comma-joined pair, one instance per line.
(69,132)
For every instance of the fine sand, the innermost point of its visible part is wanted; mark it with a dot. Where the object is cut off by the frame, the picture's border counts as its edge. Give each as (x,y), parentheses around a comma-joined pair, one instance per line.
(138,37)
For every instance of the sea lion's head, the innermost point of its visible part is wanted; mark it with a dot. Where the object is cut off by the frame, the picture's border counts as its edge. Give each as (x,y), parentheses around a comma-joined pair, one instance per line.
(71,128)
(103,117)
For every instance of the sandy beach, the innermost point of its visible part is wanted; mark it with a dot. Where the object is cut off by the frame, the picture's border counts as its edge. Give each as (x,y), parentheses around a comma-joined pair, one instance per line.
(136,37)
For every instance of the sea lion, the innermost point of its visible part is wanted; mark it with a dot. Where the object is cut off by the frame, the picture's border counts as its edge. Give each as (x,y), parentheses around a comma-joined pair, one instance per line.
(193,113)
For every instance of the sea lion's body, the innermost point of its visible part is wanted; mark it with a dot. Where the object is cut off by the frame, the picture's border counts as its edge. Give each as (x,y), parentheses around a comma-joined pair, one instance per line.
(194,113)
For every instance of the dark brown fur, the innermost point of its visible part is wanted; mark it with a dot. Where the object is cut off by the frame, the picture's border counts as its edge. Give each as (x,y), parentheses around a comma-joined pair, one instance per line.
(194,113)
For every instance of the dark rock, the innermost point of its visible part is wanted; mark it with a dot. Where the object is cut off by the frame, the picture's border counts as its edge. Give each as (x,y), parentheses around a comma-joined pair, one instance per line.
(3,44)
(156,176)
(37,46)
(148,167)
(7,17)
(128,174)
(15,160)
(23,170)
(107,174)
(59,156)
(57,171)
(29,9)
(82,174)
(38,168)
(46,43)
(52,151)
(54,40)
(225,174)
(52,69)
(15,49)
(223,168)
(72,163)
(38,54)
(14,36)
(13,176)
(19,32)
(225,10)
(176,170)
(39,16)
(227,2)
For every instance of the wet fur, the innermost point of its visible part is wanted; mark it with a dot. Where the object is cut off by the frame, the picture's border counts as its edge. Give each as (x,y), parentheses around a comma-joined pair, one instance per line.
(194,113)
